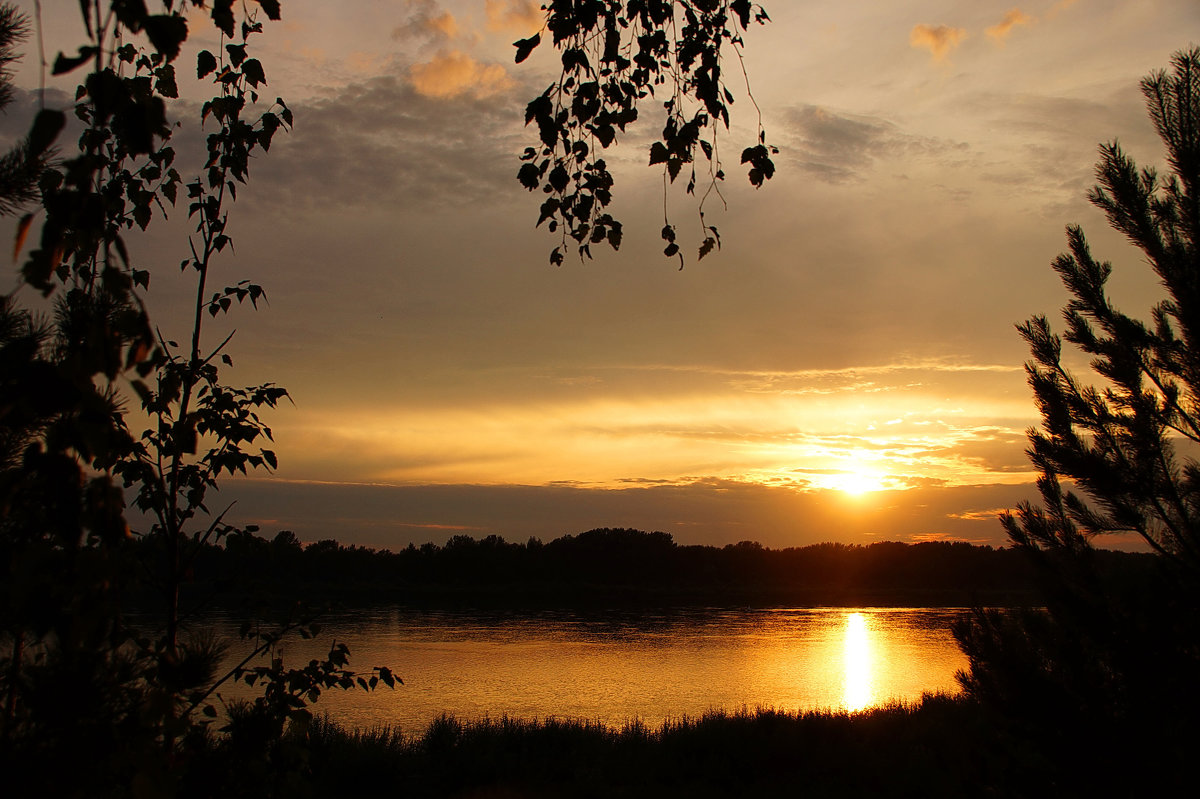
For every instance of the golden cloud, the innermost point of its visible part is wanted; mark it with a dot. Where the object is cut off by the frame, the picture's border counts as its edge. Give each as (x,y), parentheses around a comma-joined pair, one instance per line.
(991,514)
(454,73)
(519,16)
(999,32)
(937,39)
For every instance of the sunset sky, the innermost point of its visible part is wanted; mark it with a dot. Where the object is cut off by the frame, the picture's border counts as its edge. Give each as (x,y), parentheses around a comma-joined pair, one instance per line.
(845,368)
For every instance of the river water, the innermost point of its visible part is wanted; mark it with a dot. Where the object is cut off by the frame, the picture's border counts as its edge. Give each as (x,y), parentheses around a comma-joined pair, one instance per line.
(618,666)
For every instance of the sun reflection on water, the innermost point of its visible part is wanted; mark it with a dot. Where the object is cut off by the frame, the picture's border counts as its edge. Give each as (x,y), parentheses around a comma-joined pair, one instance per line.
(859,691)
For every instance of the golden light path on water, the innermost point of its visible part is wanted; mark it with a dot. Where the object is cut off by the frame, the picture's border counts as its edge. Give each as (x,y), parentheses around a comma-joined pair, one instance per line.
(859,685)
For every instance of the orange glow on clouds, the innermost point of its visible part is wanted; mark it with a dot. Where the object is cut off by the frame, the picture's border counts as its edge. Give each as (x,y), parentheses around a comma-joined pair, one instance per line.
(852,442)
(518,16)
(454,73)
(999,32)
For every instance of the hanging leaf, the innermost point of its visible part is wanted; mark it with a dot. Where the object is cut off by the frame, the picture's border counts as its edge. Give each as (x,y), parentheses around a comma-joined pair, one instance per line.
(253,70)
(222,16)
(614,56)
(271,7)
(206,63)
(526,46)
(65,63)
(167,32)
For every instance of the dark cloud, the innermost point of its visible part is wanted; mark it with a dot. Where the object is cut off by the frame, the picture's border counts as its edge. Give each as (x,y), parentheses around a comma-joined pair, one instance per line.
(841,147)
(1056,139)
(426,22)
(380,143)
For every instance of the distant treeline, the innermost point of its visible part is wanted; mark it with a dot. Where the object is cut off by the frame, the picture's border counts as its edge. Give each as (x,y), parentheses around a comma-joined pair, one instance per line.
(627,566)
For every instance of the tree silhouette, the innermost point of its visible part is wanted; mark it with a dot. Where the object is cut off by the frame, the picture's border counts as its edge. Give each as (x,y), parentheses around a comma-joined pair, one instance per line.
(21,166)
(1111,662)
(131,702)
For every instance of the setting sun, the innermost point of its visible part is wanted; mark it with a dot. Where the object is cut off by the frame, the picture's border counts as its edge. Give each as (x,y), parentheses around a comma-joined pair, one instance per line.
(859,474)
(857,483)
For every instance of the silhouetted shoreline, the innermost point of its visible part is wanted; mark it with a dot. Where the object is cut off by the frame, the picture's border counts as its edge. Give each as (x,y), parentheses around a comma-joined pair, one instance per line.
(630,568)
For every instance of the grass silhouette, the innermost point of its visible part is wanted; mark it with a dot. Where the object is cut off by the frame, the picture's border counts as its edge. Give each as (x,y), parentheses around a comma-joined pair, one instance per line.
(941,746)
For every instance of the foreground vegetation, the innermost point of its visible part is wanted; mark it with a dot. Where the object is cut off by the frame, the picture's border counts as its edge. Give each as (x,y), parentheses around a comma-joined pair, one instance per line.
(941,747)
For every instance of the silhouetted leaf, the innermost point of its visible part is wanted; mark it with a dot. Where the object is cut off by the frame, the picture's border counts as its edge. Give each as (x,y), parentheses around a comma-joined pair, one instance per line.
(674,164)
(206,62)
(254,73)
(271,7)
(741,9)
(85,8)
(65,63)
(558,178)
(605,134)
(526,46)
(22,234)
(164,82)
(237,54)
(530,176)
(222,16)
(614,235)
(141,215)
(166,32)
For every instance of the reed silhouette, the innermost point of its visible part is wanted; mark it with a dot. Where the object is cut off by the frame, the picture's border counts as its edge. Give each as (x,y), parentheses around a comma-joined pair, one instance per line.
(939,748)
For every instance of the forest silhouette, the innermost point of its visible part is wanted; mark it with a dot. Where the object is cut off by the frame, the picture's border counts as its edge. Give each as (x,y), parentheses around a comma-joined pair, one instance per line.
(613,567)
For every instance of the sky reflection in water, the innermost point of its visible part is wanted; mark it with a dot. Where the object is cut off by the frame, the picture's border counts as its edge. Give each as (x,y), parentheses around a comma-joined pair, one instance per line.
(618,666)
